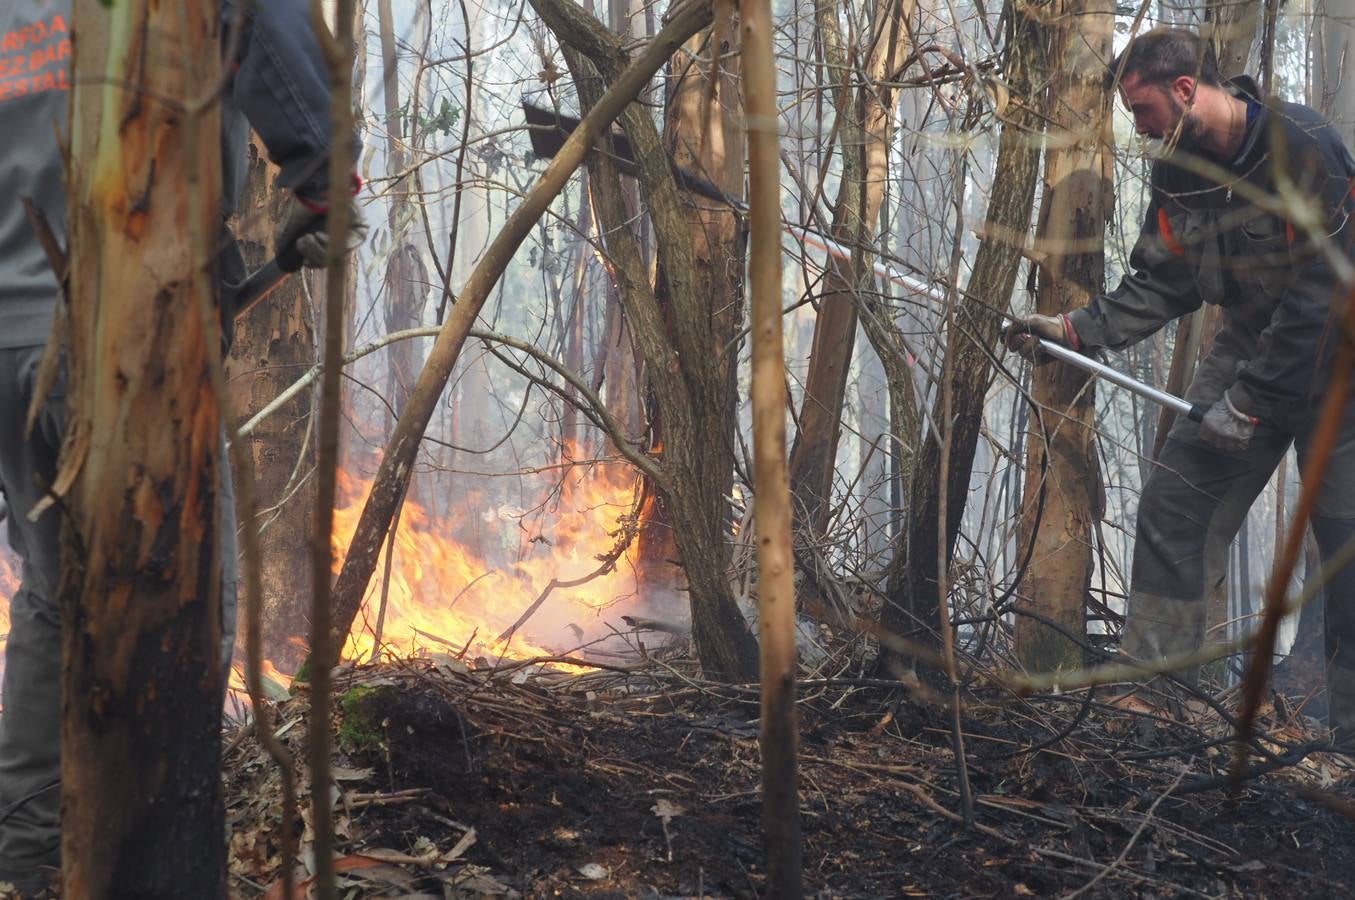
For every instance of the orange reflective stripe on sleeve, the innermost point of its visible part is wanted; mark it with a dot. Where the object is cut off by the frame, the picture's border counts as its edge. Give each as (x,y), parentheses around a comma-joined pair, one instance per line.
(1164,228)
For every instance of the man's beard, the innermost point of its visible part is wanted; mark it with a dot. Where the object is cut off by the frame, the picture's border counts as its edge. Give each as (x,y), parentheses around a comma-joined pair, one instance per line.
(1191,134)
(1186,137)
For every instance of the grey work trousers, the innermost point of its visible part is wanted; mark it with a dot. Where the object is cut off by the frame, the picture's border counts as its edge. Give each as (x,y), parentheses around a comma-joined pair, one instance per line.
(1192,507)
(30,724)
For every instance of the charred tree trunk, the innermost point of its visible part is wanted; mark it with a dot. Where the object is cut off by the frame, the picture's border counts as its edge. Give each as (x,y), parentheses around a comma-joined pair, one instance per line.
(1064,497)
(621,364)
(273,342)
(912,606)
(703,132)
(679,340)
(140,593)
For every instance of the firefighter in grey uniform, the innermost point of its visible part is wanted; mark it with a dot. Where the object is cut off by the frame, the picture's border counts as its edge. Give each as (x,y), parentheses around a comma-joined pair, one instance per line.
(279,87)
(1204,240)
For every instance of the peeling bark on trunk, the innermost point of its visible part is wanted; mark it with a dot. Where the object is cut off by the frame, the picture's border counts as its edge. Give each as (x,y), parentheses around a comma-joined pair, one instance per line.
(710,142)
(140,591)
(1232,28)
(1064,498)
(273,342)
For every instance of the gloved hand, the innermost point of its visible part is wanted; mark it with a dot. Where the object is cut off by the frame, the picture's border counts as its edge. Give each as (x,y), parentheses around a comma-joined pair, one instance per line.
(303,228)
(1227,428)
(1021,335)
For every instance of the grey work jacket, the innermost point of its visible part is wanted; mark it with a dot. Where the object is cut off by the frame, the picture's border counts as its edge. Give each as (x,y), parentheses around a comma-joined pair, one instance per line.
(279,87)
(1205,240)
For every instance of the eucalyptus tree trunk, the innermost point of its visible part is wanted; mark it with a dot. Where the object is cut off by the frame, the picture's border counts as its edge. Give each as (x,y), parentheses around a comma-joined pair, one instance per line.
(776,592)
(970,337)
(1232,28)
(140,587)
(865,125)
(1334,65)
(1064,498)
(406,276)
(873,460)
(274,341)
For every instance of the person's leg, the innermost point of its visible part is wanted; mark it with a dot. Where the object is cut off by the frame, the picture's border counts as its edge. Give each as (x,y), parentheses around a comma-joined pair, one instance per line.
(30,724)
(1191,508)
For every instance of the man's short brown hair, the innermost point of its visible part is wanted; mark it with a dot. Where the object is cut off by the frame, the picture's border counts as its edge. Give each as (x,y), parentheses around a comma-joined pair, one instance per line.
(1163,54)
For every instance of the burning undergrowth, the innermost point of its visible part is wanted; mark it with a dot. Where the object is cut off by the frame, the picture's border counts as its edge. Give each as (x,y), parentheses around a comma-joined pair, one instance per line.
(575,550)
(563,577)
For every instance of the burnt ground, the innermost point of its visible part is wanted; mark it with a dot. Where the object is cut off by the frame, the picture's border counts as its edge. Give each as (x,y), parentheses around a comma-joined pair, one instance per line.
(457,783)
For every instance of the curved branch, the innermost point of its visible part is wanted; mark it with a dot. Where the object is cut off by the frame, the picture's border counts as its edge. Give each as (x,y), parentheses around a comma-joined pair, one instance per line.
(592,405)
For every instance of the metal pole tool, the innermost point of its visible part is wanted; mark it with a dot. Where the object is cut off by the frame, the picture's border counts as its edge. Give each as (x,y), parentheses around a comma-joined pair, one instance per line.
(548,130)
(1193,411)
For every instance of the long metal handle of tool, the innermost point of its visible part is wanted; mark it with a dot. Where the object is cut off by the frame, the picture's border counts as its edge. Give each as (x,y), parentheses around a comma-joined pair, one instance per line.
(1193,411)
(547,122)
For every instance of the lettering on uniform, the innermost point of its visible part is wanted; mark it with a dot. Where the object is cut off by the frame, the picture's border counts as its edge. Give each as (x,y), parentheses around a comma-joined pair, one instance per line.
(26,36)
(45,56)
(36,84)
(34,59)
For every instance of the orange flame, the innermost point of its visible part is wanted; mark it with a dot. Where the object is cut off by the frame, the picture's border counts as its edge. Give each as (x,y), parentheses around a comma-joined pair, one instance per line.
(9,586)
(445,598)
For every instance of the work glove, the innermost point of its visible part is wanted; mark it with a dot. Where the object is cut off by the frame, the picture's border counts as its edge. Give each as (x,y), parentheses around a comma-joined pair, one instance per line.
(303,232)
(1227,428)
(1022,335)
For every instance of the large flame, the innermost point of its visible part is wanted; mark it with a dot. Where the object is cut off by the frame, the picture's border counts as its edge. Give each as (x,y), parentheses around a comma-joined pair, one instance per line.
(445,598)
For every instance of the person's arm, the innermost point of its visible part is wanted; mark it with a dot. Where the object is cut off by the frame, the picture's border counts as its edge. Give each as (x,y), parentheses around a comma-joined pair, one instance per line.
(281,84)
(1300,334)
(1159,287)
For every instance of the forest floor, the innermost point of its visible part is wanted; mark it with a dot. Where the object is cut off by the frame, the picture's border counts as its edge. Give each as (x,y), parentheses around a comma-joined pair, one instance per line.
(456,782)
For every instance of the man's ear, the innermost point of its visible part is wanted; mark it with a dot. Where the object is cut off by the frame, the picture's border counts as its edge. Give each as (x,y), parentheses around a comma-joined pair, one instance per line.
(1183,88)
